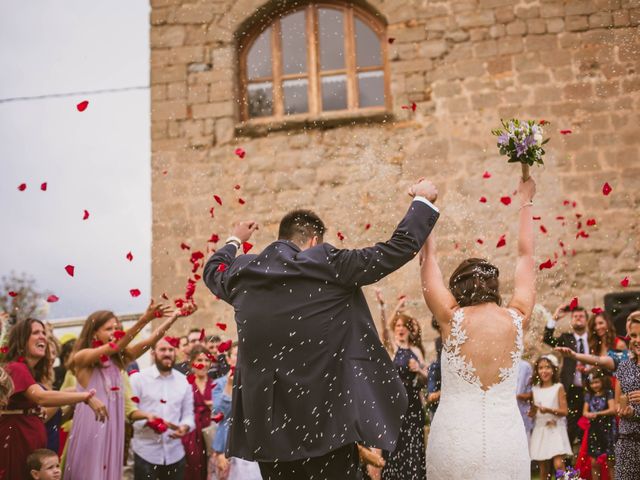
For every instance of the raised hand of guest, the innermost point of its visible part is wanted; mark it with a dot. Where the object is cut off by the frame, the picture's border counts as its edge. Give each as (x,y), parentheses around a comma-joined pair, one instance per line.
(244,230)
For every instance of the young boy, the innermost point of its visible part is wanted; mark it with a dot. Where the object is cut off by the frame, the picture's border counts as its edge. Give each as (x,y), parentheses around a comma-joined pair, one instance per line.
(43,464)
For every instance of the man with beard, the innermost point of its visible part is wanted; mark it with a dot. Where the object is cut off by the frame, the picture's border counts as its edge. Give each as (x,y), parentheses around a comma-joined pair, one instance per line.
(164,393)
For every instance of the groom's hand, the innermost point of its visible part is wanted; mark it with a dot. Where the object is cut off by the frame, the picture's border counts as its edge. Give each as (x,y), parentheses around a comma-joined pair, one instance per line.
(244,230)
(424,188)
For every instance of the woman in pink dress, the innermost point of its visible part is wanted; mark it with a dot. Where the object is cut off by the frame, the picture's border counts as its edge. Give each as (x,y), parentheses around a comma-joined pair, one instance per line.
(100,354)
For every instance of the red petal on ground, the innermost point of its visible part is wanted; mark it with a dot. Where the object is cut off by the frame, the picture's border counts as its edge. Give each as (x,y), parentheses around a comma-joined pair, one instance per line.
(341,236)
(391,40)
(582,234)
(241,201)
(236,187)
(591,222)
(480,241)
(537,218)
(367,226)
(212,211)
(165,296)
(82,106)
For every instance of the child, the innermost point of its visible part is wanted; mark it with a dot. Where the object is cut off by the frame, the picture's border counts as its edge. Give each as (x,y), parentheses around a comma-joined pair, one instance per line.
(549,439)
(599,408)
(43,464)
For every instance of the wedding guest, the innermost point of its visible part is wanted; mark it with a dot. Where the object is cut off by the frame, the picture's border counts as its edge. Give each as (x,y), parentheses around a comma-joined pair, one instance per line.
(44,464)
(572,375)
(193,339)
(225,468)
(21,428)
(219,365)
(627,398)
(602,337)
(524,393)
(434,373)
(98,360)
(6,388)
(201,386)
(165,393)
(53,415)
(63,362)
(549,439)
(406,350)
(600,408)
(183,348)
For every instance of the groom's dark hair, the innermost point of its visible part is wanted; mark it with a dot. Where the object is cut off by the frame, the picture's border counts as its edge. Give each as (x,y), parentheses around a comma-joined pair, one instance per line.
(475,281)
(299,226)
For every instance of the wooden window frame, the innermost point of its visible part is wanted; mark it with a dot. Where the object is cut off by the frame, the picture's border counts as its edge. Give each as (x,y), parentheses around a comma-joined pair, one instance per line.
(313,72)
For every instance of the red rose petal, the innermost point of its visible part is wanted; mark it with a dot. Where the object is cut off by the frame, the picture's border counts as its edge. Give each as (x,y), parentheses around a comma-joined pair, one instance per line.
(502,241)
(184,246)
(505,200)
(70,269)
(217,199)
(164,172)
(13,294)
(221,326)
(214,238)
(212,212)
(486,174)
(241,201)
(21,359)
(165,296)
(115,389)
(582,234)
(134,292)
(197,277)
(624,282)
(82,106)
(367,226)
(391,40)
(543,122)
(596,310)
(43,186)
(179,303)
(546,265)
(162,400)
(132,371)
(113,345)
(195,256)
(480,241)
(341,236)
(191,378)
(559,217)
(221,268)
(22,187)
(606,189)
(129,256)
(198,366)
(236,187)
(202,335)
(240,152)
(218,417)
(579,225)
(411,107)
(52,299)
(246,246)
(483,199)
(224,346)
(85,215)
(543,229)
(573,304)
(96,343)
(565,132)
(118,334)
(4,349)
(537,218)
(104,358)
(173,341)
(135,399)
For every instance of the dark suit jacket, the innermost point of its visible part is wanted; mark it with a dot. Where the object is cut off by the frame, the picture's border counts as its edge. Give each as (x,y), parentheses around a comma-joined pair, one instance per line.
(312,374)
(568,371)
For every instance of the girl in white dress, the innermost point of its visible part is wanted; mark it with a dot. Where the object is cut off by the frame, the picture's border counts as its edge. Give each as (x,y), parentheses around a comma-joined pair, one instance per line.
(549,439)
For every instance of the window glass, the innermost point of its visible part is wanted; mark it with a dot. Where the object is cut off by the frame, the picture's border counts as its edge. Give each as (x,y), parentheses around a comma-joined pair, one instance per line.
(294,43)
(371,89)
(334,92)
(331,33)
(259,57)
(295,96)
(260,99)
(367,46)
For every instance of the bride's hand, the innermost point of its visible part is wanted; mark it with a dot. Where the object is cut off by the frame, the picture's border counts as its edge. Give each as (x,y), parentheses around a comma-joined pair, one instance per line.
(527,190)
(379,296)
(565,352)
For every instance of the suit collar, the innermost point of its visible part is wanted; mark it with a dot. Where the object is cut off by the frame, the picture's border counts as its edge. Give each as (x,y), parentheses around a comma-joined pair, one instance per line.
(289,244)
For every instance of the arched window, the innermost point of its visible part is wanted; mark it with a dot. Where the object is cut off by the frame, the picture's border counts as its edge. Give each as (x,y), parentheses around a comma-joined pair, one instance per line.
(315,61)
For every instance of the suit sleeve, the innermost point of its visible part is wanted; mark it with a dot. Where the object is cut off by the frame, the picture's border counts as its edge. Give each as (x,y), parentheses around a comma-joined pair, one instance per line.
(549,339)
(355,268)
(217,271)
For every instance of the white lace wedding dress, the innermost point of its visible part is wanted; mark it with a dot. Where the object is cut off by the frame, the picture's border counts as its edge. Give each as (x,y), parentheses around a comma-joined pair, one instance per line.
(477,433)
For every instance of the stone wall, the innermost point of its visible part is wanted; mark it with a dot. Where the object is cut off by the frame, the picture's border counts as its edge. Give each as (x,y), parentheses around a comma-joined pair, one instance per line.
(466,64)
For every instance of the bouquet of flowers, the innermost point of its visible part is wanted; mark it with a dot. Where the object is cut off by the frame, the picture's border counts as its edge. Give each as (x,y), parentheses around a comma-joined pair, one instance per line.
(568,474)
(522,142)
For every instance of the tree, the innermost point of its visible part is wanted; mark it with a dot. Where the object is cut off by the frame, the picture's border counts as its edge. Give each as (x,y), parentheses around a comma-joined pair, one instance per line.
(19,296)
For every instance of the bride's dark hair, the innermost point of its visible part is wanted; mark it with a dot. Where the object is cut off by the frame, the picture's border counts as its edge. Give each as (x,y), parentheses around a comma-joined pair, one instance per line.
(475,281)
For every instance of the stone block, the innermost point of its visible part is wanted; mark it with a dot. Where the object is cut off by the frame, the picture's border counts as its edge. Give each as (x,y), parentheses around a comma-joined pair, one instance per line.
(541,43)
(511,46)
(500,65)
(483,18)
(167,36)
(578,91)
(198,94)
(576,23)
(527,12)
(536,26)
(621,18)
(517,27)
(550,10)
(555,25)
(433,49)
(485,49)
(600,20)
(479,34)
(194,13)
(505,15)
(580,7)
(212,110)
(497,31)
(527,62)
(177,90)
(225,130)
(168,74)
(533,78)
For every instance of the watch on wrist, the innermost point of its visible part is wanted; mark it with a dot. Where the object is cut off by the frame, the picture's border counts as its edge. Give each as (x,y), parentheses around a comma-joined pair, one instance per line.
(234,240)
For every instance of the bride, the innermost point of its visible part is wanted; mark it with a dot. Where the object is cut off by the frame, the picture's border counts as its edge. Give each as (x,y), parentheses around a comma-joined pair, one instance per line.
(477,432)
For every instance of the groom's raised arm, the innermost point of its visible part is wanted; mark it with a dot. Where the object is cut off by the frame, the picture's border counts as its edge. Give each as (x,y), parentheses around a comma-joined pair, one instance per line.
(355,268)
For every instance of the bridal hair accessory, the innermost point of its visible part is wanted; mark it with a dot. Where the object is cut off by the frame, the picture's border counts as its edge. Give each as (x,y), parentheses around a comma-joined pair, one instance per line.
(481,270)
(552,359)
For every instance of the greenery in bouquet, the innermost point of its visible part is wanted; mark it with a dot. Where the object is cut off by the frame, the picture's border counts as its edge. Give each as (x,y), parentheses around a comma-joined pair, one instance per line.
(521,141)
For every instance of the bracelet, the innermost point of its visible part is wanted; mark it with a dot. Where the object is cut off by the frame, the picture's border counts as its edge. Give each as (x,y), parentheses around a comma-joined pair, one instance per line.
(235,240)
(528,204)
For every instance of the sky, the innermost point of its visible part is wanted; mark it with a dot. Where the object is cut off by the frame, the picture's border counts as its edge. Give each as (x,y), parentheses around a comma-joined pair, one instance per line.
(98,160)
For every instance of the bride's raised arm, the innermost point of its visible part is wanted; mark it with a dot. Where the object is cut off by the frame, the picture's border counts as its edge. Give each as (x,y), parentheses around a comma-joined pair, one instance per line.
(524,295)
(438,297)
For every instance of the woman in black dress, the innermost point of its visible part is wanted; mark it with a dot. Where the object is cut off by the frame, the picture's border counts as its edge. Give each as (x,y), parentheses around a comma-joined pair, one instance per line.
(407,461)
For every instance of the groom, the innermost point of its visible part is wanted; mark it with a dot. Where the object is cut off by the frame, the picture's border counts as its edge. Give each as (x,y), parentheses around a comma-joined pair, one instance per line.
(312,377)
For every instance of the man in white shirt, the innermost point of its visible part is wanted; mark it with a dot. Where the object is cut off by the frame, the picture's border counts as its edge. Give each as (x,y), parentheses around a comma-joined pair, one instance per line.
(165,393)
(572,373)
